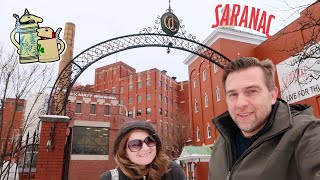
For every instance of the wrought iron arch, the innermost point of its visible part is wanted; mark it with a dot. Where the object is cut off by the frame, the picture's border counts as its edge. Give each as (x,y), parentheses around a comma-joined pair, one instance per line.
(68,76)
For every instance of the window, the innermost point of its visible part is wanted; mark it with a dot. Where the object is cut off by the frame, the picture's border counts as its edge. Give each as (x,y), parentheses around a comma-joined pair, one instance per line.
(160,111)
(166,100)
(206,100)
(166,86)
(78,108)
(99,75)
(170,89)
(90,140)
(20,107)
(218,94)
(204,75)
(176,92)
(107,110)
(121,89)
(115,71)
(160,97)
(194,82)
(209,131)
(148,110)
(130,100)
(198,134)
(196,108)
(130,113)
(139,84)
(139,98)
(160,83)
(148,97)
(215,68)
(130,87)
(121,101)
(114,90)
(148,82)
(166,113)
(93,109)
(139,112)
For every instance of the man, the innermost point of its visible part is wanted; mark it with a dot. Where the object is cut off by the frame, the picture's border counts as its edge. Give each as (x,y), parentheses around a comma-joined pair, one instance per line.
(262,137)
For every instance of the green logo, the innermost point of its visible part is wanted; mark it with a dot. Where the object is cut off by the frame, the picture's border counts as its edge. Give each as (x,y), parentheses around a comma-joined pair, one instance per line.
(170,23)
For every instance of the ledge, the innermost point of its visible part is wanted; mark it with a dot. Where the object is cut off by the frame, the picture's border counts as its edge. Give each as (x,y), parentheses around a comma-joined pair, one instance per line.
(54,118)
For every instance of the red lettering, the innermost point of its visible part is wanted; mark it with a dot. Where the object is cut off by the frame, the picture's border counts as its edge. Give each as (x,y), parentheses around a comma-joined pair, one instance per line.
(234,15)
(244,17)
(230,18)
(254,18)
(225,16)
(217,16)
(268,25)
(262,24)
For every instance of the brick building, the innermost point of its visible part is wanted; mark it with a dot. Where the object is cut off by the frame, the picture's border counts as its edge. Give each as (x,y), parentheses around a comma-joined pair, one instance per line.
(119,94)
(12,120)
(149,95)
(207,98)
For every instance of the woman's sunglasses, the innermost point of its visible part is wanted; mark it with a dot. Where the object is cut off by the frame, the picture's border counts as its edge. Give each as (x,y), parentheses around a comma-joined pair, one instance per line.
(136,144)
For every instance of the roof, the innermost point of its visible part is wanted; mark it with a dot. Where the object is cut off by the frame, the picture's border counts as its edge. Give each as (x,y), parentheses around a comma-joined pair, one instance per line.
(230,34)
(195,154)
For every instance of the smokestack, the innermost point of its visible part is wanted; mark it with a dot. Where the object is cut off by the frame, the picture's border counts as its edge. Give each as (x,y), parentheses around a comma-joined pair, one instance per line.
(64,79)
(68,36)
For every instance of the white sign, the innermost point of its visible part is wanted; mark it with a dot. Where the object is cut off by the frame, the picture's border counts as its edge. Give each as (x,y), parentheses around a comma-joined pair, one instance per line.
(299,76)
(92,95)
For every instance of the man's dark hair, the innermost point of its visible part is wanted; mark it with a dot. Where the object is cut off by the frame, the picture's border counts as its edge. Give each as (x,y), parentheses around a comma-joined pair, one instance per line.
(247,62)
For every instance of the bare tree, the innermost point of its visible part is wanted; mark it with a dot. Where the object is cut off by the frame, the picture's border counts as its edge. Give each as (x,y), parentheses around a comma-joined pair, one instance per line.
(17,84)
(177,134)
(302,43)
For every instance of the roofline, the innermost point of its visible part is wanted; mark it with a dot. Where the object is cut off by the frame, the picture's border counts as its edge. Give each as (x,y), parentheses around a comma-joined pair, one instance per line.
(195,158)
(230,34)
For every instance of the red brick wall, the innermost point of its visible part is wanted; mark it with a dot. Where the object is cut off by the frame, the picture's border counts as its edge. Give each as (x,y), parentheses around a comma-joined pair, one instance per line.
(231,49)
(276,47)
(13,113)
(50,162)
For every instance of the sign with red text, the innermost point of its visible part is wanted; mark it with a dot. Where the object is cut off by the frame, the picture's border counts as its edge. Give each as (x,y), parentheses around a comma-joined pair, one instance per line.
(299,77)
(243,16)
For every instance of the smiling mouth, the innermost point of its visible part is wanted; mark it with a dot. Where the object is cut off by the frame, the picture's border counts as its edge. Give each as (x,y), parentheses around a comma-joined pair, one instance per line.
(145,154)
(244,114)
(31,21)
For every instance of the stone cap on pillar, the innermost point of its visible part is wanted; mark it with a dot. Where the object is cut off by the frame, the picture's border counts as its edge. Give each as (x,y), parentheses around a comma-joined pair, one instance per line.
(54,118)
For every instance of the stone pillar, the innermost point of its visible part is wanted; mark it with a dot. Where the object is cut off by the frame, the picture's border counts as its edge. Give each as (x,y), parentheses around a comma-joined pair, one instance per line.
(51,147)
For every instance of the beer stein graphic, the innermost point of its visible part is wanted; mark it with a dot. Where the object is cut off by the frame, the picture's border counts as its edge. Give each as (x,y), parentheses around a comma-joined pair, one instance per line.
(27,44)
(49,45)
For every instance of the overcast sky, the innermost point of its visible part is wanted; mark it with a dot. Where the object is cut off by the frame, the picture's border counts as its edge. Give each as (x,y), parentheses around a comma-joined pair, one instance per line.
(97,21)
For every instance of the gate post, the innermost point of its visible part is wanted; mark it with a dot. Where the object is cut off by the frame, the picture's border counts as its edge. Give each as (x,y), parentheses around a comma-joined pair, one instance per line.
(51,147)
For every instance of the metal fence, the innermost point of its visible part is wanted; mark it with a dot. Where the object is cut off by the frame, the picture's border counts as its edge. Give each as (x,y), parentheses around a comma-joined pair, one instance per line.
(20,160)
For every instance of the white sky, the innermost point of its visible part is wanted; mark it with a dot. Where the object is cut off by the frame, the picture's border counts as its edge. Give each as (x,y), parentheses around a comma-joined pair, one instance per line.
(98,20)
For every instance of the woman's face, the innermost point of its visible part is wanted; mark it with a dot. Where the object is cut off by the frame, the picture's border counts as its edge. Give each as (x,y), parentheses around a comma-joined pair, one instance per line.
(146,154)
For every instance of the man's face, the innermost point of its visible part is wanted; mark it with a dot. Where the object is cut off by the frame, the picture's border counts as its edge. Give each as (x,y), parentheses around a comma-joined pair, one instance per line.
(249,100)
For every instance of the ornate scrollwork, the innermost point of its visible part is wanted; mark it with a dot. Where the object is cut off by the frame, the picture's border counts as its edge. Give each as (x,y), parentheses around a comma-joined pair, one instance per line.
(157,29)
(44,108)
(183,41)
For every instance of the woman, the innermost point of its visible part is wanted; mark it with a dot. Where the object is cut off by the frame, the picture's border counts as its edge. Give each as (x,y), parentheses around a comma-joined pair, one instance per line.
(139,155)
